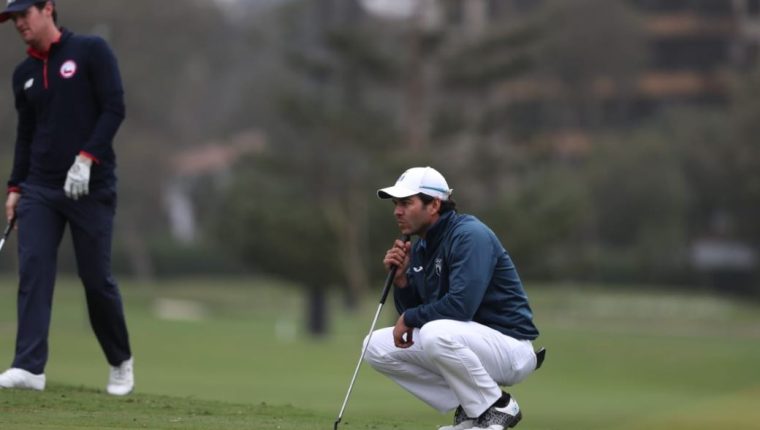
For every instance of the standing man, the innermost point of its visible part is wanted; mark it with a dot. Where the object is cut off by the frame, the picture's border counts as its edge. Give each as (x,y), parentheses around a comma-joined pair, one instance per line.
(70,103)
(465,326)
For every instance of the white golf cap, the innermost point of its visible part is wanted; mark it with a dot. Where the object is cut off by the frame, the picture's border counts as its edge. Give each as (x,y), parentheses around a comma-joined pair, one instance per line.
(425,180)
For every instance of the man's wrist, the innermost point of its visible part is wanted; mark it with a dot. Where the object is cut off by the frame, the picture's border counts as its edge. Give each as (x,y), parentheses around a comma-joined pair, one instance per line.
(405,319)
(87,158)
(84,160)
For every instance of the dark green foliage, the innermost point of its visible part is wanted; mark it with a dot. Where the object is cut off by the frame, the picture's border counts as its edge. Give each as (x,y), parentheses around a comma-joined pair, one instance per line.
(464,73)
(269,217)
(640,199)
(346,102)
(541,222)
(309,220)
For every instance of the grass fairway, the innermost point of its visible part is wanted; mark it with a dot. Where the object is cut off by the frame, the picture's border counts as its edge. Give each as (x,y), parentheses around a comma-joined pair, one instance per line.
(232,354)
(67,407)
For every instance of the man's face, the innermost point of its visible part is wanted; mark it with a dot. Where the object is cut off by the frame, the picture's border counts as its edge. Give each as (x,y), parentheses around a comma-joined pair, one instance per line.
(32,23)
(413,217)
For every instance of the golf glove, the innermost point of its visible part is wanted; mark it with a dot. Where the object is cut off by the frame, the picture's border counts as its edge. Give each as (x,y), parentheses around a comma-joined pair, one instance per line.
(78,179)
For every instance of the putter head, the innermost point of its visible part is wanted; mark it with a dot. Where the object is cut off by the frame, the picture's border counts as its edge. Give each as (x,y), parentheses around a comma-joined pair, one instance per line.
(335,427)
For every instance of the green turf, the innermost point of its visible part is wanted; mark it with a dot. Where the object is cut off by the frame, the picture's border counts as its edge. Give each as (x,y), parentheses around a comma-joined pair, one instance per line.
(616,360)
(68,407)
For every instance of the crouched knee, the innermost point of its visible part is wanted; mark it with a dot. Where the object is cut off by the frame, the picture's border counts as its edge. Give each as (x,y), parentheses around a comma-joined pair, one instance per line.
(375,348)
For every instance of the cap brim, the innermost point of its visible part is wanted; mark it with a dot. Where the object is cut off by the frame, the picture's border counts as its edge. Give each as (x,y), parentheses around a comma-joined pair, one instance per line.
(395,192)
(14,8)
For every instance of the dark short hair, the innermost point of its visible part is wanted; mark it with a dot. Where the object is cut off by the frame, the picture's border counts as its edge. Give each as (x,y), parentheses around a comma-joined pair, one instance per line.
(41,5)
(446,205)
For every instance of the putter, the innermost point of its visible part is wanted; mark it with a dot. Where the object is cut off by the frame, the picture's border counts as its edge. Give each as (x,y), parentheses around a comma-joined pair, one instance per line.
(386,290)
(7,232)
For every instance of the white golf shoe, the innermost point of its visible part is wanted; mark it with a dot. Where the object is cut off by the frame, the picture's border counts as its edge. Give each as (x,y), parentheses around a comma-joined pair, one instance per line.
(121,380)
(461,421)
(20,378)
(500,417)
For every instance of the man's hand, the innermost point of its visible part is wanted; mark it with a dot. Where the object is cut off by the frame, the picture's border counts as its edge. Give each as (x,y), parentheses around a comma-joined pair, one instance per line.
(401,329)
(398,256)
(78,180)
(10,205)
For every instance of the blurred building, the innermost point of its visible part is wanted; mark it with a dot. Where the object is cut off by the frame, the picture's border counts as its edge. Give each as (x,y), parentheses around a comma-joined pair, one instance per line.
(694,47)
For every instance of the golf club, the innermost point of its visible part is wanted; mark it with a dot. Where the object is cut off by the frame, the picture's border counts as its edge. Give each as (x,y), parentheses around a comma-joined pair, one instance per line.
(7,232)
(386,289)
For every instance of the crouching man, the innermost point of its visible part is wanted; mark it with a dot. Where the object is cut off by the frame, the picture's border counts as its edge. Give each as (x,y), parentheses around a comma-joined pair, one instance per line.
(465,325)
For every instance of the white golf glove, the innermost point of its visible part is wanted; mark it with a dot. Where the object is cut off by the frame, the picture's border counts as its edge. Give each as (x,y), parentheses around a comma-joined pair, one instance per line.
(78,180)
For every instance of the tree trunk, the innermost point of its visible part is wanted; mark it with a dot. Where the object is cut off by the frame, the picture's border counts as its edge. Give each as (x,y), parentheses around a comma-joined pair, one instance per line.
(317,311)
(137,252)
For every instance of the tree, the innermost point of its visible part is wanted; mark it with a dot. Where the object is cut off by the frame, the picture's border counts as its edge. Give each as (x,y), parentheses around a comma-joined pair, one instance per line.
(640,196)
(170,97)
(328,134)
(596,81)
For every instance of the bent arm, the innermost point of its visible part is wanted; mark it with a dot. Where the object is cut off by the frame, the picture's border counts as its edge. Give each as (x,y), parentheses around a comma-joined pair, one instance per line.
(110,96)
(471,264)
(24,136)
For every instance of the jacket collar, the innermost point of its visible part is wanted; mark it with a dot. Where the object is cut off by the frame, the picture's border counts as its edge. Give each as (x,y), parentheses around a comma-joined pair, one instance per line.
(65,34)
(435,233)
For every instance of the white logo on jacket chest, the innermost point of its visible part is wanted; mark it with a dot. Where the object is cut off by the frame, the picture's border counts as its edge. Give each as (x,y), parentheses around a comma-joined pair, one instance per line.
(438,266)
(28,84)
(68,69)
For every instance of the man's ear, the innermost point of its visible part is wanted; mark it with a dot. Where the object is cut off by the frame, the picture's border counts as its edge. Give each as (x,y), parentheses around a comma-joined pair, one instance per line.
(435,206)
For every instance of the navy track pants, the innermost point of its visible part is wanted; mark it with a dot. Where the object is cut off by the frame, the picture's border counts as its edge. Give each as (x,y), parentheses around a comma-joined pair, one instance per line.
(42,215)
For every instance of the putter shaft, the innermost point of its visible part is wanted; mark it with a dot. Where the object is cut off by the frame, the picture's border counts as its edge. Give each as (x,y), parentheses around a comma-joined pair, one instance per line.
(359,364)
(7,232)
(386,290)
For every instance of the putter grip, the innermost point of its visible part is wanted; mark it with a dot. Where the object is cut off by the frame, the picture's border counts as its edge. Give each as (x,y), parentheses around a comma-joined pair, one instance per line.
(391,275)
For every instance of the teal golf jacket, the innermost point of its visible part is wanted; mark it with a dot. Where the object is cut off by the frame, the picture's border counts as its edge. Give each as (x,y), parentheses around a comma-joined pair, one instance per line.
(461,271)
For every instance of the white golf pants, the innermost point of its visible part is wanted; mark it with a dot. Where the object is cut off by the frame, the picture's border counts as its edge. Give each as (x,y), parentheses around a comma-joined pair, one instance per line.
(453,363)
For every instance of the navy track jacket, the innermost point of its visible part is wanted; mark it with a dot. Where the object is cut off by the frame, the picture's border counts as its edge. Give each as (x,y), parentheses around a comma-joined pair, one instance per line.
(69,101)
(462,272)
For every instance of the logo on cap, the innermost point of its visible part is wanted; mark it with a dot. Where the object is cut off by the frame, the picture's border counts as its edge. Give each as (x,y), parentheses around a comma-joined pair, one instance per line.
(68,69)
